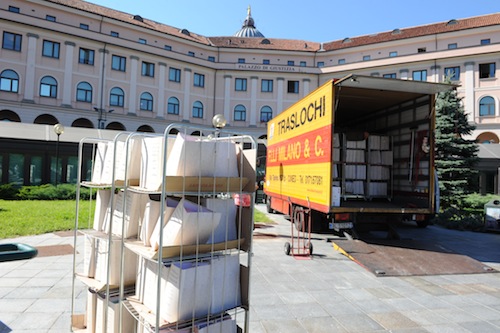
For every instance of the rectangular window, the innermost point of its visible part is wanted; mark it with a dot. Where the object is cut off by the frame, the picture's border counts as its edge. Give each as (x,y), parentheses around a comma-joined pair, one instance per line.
(84,26)
(420,75)
(199,80)
(240,85)
(390,76)
(50,49)
(366,58)
(421,50)
(14,9)
(341,61)
(211,59)
(393,54)
(86,56)
(321,64)
(293,87)
(485,41)
(11,41)
(487,70)
(148,69)
(290,63)
(118,63)
(142,41)
(241,60)
(266,86)
(191,53)
(174,75)
(50,18)
(303,64)
(114,34)
(453,73)
(452,46)
(167,47)
(266,62)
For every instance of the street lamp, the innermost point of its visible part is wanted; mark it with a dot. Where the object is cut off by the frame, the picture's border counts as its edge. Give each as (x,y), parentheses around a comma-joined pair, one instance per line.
(58,129)
(219,122)
(102,116)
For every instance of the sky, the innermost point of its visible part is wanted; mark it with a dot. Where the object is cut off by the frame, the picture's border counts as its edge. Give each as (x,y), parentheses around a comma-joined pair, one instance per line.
(312,20)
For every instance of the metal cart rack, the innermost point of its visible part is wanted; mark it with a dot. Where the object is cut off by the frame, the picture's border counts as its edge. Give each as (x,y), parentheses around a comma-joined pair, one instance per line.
(169,246)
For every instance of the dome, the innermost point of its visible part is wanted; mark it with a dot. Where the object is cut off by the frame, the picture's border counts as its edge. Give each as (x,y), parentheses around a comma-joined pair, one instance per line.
(248,29)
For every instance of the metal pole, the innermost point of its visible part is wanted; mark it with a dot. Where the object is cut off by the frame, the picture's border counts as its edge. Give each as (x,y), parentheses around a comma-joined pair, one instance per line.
(57,157)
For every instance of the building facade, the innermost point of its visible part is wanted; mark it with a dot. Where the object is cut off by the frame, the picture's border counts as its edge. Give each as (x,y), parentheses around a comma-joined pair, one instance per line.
(87,66)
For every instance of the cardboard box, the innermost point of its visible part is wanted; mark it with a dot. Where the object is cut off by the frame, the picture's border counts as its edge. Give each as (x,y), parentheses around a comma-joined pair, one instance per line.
(113,316)
(226,291)
(127,213)
(192,156)
(102,209)
(103,259)
(184,289)
(190,224)
(149,220)
(226,230)
(191,289)
(225,325)
(336,196)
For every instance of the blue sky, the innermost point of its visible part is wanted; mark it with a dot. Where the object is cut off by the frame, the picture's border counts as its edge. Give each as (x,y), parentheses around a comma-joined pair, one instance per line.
(317,21)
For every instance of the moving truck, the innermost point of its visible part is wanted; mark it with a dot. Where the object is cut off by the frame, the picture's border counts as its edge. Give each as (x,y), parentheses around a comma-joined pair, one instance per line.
(355,151)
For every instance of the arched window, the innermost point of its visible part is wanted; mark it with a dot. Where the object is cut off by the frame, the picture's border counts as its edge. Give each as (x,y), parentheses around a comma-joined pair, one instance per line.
(9,81)
(240,113)
(266,114)
(146,102)
(197,110)
(173,106)
(84,92)
(116,97)
(487,106)
(48,87)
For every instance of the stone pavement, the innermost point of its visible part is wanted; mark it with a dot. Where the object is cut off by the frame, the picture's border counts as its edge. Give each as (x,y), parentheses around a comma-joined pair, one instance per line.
(328,293)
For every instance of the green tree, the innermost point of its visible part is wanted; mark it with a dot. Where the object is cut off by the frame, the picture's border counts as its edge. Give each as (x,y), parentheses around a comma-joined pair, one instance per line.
(455,156)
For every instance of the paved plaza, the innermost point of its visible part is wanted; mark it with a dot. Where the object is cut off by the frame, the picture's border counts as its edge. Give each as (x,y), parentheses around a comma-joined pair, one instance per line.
(326,293)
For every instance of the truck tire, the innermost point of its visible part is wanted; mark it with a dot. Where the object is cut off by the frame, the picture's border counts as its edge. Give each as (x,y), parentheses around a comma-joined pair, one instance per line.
(268,205)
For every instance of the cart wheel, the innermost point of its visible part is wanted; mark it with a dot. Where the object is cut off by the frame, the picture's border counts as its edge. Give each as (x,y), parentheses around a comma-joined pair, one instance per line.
(287,248)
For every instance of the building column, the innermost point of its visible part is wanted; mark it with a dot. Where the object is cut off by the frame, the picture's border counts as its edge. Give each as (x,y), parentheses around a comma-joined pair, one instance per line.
(470,98)
(186,114)
(227,98)
(68,74)
(102,82)
(435,73)
(29,83)
(162,74)
(403,74)
(254,114)
(307,87)
(279,99)
(132,100)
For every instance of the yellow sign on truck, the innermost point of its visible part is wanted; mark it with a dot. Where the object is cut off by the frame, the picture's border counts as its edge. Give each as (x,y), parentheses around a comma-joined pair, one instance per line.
(299,150)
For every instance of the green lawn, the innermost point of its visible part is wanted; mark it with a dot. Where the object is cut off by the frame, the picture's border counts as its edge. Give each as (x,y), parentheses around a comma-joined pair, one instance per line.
(24,218)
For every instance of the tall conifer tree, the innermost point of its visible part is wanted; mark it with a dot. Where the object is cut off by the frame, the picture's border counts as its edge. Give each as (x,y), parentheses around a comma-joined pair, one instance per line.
(455,156)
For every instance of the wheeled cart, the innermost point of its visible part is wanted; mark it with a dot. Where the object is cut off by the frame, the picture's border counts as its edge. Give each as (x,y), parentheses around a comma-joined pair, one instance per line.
(300,245)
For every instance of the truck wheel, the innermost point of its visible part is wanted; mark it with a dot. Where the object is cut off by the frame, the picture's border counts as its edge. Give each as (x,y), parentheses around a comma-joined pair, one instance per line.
(268,206)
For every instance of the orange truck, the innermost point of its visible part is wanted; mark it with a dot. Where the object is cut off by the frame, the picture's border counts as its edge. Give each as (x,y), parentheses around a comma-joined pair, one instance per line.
(355,152)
